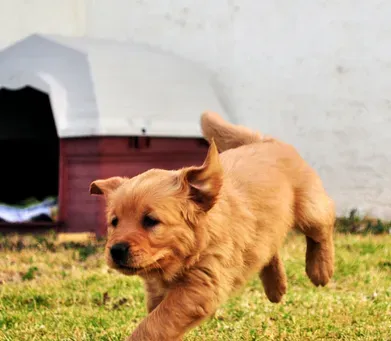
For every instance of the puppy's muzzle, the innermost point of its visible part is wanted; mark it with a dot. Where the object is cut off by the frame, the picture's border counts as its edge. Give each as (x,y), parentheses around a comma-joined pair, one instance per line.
(120,253)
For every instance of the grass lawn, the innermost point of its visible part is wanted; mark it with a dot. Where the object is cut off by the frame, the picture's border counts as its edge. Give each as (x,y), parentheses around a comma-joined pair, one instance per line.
(49,293)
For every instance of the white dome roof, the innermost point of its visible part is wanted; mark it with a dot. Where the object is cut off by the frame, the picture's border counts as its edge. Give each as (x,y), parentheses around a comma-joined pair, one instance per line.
(100,87)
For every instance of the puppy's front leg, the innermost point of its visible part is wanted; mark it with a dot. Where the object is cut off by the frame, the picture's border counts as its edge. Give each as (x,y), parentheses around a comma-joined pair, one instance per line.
(155,292)
(184,306)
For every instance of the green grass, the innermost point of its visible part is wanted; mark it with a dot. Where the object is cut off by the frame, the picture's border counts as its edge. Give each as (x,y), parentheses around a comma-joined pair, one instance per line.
(67,293)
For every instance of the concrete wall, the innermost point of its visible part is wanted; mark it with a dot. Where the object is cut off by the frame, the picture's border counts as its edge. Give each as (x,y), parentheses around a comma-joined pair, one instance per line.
(20,18)
(315,73)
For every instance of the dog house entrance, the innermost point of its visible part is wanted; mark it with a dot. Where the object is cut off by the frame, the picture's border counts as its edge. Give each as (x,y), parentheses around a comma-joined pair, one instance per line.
(29,157)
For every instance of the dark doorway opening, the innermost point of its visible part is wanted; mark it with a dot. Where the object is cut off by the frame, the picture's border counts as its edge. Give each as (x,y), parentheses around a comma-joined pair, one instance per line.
(29,146)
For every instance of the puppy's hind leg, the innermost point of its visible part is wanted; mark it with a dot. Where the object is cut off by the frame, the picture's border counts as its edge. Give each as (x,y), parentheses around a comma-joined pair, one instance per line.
(320,260)
(274,279)
(316,219)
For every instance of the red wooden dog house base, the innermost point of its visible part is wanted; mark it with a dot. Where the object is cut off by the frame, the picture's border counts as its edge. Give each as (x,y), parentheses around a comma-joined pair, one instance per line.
(83,160)
(87,159)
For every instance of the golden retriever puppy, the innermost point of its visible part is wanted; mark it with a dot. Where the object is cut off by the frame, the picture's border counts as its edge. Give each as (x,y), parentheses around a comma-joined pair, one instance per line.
(195,235)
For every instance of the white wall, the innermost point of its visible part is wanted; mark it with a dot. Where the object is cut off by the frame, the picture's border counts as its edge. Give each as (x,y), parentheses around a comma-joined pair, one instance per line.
(19,18)
(315,73)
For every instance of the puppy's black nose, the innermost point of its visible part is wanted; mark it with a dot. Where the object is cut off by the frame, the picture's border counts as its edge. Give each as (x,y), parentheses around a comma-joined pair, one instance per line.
(120,253)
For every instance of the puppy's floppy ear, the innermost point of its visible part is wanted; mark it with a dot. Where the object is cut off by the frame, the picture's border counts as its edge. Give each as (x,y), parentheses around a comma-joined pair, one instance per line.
(105,186)
(204,183)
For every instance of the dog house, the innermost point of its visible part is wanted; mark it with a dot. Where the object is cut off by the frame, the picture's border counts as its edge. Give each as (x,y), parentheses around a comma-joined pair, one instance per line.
(76,109)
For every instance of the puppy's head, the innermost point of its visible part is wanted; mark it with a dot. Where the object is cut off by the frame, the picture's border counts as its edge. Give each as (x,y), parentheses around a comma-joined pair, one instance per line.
(155,219)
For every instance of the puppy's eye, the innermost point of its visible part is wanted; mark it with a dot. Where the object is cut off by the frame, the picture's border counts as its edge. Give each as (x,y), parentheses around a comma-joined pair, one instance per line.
(149,222)
(114,222)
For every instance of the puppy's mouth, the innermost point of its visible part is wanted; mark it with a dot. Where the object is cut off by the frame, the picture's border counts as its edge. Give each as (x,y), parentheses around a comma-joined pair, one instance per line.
(127,268)
(135,270)
(130,268)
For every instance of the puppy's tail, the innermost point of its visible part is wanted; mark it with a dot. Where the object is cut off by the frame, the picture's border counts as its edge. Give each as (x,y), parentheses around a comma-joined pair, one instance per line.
(227,135)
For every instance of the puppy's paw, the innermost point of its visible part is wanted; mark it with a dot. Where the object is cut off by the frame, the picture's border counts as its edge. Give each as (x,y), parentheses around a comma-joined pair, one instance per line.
(275,294)
(274,280)
(319,262)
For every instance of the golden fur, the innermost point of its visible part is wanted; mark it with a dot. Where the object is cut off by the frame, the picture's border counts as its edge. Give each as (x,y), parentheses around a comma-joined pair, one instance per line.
(216,225)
